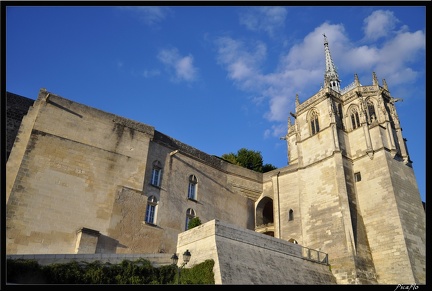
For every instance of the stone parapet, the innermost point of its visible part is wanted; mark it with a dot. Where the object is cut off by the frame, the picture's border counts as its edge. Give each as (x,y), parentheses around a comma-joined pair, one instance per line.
(245,257)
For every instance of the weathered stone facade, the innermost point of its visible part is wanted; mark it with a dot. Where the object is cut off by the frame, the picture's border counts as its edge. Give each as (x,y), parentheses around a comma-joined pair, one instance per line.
(246,257)
(92,170)
(353,190)
(82,180)
(241,256)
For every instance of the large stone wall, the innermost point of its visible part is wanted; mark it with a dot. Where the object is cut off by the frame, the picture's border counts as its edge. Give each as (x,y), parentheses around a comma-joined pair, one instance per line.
(82,168)
(69,173)
(394,218)
(245,257)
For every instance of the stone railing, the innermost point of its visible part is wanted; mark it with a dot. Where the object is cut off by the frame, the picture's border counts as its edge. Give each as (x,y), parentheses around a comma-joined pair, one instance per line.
(306,253)
(347,88)
(315,256)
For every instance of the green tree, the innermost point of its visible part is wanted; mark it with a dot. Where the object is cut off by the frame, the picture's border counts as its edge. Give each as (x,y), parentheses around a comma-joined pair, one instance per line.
(249,159)
(268,168)
(194,222)
(231,157)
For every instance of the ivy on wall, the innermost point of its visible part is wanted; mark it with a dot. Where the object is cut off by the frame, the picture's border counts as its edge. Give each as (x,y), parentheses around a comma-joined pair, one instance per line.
(127,272)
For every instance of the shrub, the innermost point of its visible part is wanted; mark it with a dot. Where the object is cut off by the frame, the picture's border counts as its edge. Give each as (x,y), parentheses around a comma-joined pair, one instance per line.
(136,272)
(194,222)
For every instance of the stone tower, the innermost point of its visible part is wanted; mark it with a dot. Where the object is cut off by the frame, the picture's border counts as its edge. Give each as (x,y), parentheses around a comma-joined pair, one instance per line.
(350,189)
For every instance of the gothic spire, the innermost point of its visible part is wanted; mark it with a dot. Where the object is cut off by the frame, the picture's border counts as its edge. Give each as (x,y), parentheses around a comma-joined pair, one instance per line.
(331,77)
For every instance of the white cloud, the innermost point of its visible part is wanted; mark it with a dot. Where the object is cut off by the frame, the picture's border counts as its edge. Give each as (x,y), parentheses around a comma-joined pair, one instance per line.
(150,73)
(185,69)
(362,58)
(150,15)
(277,130)
(301,69)
(241,63)
(397,54)
(379,24)
(181,66)
(267,19)
(278,108)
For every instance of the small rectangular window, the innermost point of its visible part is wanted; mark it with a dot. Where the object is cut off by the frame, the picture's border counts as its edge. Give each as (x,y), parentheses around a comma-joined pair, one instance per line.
(357,177)
(156,177)
(150,213)
(191,192)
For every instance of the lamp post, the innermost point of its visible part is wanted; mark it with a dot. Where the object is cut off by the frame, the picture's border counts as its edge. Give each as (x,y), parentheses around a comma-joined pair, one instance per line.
(186,258)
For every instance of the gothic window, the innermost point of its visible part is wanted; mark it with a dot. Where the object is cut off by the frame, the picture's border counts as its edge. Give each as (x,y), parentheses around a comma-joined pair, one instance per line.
(313,122)
(355,120)
(291,215)
(371,115)
(156,173)
(192,190)
(190,213)
(150,216)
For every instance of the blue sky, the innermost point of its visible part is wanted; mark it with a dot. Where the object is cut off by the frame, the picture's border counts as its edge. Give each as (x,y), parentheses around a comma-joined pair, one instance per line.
(219,78)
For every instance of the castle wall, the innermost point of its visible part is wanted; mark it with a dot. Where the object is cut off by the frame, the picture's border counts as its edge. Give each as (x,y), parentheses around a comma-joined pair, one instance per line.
(386,191)
(90,169)
(74,162)
(244,257)
(215,198)
(325,217)
(216,195)
(412,217)
(365,268)
(286,198)
(391,218)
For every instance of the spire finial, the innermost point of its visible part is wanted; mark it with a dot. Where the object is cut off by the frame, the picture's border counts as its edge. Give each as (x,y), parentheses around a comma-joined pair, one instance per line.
(331,77)
(356,80)
(374,79)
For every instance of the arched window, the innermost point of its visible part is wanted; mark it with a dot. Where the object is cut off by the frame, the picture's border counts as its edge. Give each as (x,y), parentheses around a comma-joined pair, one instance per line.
(150,216)
(190,213)
(192,189)
(355,120)
(291,215)
(156,174)
(313,122)
(371,115)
